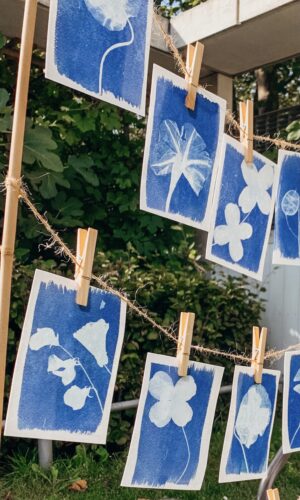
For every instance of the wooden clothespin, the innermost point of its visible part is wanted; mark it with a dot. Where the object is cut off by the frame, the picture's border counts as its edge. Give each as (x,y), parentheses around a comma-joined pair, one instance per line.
(246,128)
(185,336)
(193,65)
(258,352)
(273,494)
(86,246)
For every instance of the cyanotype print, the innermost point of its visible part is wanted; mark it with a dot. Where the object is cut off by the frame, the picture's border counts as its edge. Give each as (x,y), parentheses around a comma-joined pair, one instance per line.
(243,210)
(181,151)
(249,427)
(67,363)
(291,403)
(170,442)
(101,47)
(287,214)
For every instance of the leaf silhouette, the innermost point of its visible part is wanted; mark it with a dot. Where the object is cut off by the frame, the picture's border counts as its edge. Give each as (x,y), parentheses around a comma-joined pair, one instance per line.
(43,337)
(254,415)
(65,369)
(181,153)
(297,376)
(75,397)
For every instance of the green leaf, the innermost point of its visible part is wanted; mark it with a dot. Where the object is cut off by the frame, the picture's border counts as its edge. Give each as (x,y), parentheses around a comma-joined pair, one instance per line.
(38,146)
(293,130)
(3,40)
(4,97)
(83,165)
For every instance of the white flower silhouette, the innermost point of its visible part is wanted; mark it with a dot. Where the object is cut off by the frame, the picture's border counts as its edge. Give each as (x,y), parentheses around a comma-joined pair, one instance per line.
(75,397)
(253,418)
(256,192)
(43,337)
(233,233)
(65,369)
(113,15)
(172,400)
(93,337)
(182,153)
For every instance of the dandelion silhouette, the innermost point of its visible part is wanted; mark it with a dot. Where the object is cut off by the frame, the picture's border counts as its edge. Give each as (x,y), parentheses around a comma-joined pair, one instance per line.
(290,206)
(114,15)
(182,153)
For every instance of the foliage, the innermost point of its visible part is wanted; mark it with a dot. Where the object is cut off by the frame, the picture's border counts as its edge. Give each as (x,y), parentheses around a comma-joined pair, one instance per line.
(171,7)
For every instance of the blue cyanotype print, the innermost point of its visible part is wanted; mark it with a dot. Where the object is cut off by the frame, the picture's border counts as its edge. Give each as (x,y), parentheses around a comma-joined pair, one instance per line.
(174,438)
(102,46)
(291,406)
(243,208)
(181,151)
(70,356)
(287,218)
(249,428)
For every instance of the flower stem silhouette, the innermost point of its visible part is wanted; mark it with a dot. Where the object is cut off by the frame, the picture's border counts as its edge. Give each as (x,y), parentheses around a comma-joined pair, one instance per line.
(189,457)
(109,50)
(243,451)
(86,374)
(294,436)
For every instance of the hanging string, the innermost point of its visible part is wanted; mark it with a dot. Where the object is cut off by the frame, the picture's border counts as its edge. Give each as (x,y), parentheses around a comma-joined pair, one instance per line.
(63,249)
(230,120)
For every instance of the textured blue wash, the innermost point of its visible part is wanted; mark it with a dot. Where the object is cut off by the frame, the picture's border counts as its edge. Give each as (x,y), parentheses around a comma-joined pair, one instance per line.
(80,42)
(41,403)
(162,452)
(232,185)
(257,454)
(170,105)
(286,227)
(294,404)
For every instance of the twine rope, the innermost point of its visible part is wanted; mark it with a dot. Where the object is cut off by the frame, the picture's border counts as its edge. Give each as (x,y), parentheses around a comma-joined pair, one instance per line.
(63,249)
(230,120)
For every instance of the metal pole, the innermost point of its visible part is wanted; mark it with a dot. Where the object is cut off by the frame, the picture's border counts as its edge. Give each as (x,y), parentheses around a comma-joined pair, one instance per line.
(45,451)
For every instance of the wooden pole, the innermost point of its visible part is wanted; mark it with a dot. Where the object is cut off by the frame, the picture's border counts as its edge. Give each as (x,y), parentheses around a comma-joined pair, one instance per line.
(13,176)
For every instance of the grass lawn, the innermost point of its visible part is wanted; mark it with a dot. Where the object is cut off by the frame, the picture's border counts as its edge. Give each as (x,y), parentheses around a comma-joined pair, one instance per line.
(22,479)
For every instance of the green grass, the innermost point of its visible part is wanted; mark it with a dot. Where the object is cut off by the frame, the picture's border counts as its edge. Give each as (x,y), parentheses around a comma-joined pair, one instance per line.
(22,479)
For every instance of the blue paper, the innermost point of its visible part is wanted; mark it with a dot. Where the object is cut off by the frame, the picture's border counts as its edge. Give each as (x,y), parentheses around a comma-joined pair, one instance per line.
(291,403)
(181,151)
(243,210)
(67,363)
(249,428)
(171,437)
(101,47)
(287,215)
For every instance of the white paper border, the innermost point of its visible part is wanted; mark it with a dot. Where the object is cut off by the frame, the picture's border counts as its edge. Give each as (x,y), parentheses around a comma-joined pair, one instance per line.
(278,258)
(196,482)
(227,140)
(223,476)
(11,426)
(181,83)
(52,73)
(286,445)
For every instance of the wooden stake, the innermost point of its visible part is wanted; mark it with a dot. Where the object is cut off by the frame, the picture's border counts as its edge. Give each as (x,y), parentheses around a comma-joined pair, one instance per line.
(246,126)
(258,352)
(86,246)
(193,64)
(185,336)
(273,494)
(13,177)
